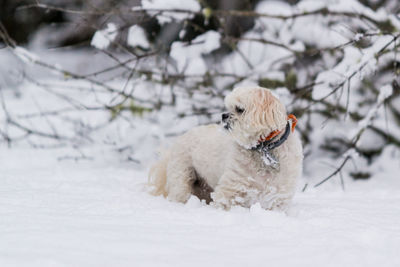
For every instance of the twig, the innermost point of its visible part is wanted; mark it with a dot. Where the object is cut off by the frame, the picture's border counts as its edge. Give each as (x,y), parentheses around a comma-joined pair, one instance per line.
(335,172)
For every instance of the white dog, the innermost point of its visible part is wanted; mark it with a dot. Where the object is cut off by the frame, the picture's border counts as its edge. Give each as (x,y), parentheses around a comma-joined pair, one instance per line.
(256,158)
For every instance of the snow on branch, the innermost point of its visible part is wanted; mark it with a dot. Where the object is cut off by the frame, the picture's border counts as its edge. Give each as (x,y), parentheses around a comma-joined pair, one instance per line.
(385,92)
(103,38)
(330,62)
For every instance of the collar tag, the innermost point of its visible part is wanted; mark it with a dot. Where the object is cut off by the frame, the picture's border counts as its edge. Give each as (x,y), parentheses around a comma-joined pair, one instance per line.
(269,159)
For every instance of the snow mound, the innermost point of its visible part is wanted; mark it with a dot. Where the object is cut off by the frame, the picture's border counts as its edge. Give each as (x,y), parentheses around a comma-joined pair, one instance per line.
(103,38)
(137,37)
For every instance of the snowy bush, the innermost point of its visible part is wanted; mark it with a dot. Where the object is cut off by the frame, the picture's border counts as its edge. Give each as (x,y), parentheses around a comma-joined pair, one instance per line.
(334,64)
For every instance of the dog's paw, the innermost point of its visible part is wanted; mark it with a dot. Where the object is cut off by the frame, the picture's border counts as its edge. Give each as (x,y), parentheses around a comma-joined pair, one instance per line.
(220,201)
(225,202)
(178,194)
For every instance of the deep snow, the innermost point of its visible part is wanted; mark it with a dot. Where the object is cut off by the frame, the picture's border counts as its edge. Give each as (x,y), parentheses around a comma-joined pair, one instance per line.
(58,212)
(55,211)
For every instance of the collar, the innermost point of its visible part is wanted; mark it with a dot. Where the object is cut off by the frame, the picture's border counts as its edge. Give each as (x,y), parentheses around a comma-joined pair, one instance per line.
(267,143)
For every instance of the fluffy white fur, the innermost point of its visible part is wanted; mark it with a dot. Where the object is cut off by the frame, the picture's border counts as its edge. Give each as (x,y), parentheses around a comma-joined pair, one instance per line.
(223,161)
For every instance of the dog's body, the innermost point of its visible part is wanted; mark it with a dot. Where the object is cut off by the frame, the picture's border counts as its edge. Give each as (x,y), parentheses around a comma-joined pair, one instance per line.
(220,166)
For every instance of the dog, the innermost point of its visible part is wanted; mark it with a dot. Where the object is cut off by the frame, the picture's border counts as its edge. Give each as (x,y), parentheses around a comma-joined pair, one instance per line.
(254,156)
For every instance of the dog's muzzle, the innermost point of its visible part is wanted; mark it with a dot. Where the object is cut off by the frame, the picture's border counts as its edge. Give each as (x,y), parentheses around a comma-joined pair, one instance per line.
(225,116)
(225,120)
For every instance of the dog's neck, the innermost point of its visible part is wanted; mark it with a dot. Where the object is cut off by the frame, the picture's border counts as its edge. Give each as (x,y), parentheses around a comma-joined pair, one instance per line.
(276,138)
(272,141)
(268,144)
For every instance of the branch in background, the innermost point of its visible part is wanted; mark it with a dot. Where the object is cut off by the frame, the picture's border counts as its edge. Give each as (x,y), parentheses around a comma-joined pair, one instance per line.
(385,93)
(299,69)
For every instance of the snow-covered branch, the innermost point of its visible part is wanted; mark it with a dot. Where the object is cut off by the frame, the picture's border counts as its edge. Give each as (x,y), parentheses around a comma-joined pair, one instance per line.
(328,61)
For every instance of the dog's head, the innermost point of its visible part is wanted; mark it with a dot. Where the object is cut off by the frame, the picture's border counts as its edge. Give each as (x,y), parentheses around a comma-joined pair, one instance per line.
(253,112)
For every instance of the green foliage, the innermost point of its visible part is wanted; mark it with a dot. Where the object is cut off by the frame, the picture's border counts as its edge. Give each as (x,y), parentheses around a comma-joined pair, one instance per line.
(386,26)
(360,175)
(207,12)
(270,83)
(135,109)
(290,82)
(138,110)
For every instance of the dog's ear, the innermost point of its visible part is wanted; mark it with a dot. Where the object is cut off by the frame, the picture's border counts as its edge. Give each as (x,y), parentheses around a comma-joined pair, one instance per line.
(268,110)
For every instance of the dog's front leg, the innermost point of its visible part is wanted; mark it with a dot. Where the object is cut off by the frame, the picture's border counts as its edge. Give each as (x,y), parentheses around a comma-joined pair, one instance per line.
(232,190)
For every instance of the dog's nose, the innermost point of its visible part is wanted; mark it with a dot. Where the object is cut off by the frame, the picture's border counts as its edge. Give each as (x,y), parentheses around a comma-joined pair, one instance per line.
(225,116)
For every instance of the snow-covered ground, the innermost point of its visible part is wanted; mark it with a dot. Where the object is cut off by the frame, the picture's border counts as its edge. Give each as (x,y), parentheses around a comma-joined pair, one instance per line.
(58,212)
(88,206)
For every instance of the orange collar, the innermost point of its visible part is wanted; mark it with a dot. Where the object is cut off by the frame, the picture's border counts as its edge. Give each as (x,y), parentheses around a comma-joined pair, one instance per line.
(277,132)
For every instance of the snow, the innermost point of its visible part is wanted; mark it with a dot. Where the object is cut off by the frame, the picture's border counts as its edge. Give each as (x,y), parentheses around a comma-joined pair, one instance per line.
(83,202)
(169,16)
(11,74)
(356,7)
(137,37)
(277,8)
(25,55)
(340,6)
(102,38)
(189,57)
(354,60)
(97,213)
(358,37)
(385,92)
(89,207)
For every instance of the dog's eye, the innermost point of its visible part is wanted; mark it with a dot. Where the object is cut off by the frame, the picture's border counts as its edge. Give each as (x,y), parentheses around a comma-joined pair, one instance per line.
(239,110)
